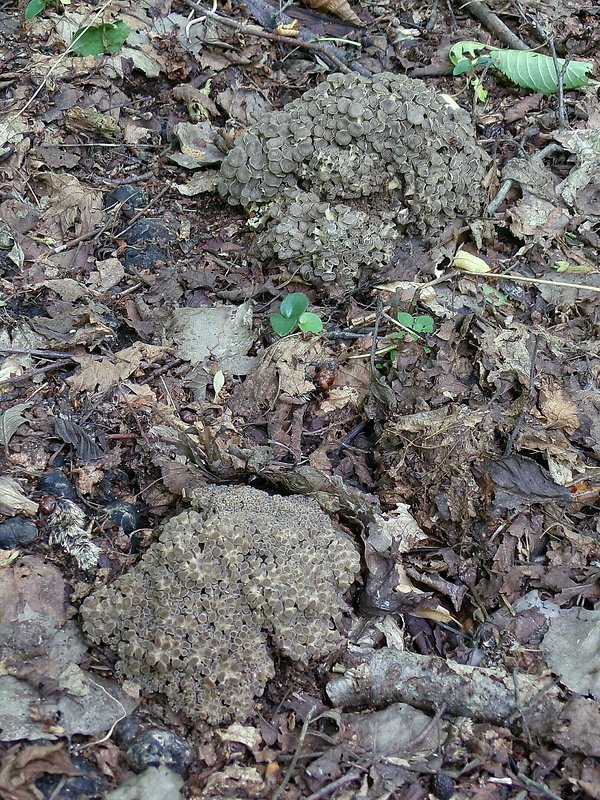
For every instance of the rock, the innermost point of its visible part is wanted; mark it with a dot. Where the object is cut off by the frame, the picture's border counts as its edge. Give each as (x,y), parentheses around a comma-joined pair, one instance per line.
(131,196)
(56,483)
(15,532)
(125,515)
(160,747)
(156,783)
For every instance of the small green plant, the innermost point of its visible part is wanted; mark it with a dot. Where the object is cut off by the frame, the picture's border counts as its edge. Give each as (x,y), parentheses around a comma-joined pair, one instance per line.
(292,314)
(529,70)
(412,328)
(94,40)
(35,7)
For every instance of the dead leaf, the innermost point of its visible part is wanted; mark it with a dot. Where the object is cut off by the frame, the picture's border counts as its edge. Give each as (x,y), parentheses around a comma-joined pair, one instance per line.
(73,209)
(100,373)
(22,764)
(572,649)
(13,499)
(11,420)
(339,8)
(557,409)
(219,332)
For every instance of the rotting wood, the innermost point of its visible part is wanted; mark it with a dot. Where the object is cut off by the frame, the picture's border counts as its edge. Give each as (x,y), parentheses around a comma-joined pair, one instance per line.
(428,682)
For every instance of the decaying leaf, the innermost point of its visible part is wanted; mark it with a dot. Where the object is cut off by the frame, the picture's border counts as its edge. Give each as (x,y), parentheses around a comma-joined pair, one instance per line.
(13,499)
(10,421)
(339,8)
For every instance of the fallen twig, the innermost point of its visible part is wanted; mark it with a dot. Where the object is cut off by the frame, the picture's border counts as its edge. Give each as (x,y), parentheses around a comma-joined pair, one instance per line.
(487,695)
(493,24)
(254,30)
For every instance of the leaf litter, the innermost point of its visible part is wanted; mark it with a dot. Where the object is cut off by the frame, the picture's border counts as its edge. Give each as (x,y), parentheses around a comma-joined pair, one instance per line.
(140,364)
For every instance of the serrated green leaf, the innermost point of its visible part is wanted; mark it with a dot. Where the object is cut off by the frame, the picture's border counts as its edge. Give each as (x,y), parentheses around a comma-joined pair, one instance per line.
(405,319)
(461,50)
(293,305)
(34,7)
(282,325)
(423,324)
(108,37)
(310,323)
(537,72)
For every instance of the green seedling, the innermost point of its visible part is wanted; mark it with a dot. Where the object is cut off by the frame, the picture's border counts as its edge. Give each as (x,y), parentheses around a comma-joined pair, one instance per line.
(35,7)
(566,266)
(292,314)
(412,328)
(95,40)
(527,69)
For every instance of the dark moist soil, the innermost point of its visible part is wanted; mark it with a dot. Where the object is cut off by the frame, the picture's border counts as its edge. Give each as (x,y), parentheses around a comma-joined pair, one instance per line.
(487,427)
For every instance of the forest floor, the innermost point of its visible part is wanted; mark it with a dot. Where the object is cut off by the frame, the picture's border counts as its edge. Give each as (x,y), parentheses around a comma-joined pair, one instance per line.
(460,449)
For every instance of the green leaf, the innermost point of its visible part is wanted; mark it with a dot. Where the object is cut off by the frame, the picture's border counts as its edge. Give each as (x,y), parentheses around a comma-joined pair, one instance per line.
(423,324)
(493,295)
(294,305)
(34,7)
(462,50)
(538,72)
(310,323)
(282,326)
(464,65)
(98,39)
(406,319)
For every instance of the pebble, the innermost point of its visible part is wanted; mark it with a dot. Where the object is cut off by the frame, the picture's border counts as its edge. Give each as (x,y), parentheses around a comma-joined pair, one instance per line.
(157,747)
(125,515)
(56,483)
(15,532)
(131,196)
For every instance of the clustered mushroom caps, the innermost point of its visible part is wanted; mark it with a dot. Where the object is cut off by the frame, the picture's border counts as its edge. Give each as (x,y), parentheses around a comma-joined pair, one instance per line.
(238,573)
(348,138)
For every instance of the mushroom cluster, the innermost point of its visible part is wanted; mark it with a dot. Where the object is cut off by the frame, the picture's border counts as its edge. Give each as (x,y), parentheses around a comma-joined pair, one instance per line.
(238,574)
(308,168)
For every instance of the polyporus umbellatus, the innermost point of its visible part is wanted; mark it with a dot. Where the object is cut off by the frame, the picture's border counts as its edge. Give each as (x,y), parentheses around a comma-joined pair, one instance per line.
(307,167)
(237,574)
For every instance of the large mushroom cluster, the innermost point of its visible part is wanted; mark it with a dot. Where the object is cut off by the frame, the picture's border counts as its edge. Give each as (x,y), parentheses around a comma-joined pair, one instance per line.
(307,168)
(238,574)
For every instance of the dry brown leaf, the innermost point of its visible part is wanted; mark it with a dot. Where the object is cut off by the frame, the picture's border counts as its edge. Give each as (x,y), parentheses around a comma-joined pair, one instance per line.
(557,409)
(21,765)
(339,8)
(102,373)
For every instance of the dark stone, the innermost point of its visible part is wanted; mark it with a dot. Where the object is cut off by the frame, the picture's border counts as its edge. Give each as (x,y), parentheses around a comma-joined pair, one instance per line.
(56,483)
(126,730)
(131,196)
(125,515)
(90,784)
(148,241)
(158,746)
(443,786)
(145,231)
(15,532)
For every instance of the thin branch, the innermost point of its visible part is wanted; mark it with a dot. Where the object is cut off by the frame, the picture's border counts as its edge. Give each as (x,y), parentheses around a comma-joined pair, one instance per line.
(59,60)
(254,30)
(493,24)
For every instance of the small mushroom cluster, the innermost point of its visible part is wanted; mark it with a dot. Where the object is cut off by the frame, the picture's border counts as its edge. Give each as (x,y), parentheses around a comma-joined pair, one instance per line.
(238,574)
(388,138)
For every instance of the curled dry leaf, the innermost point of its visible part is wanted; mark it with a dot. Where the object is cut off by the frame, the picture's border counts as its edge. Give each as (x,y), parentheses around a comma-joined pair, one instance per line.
(339,8)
